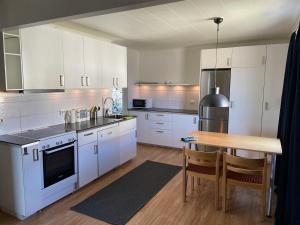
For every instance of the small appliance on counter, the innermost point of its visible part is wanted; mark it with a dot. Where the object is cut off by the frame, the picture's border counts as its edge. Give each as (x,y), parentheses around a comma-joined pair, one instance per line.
(82,114)
(94,112)
(141,103)
(70,116)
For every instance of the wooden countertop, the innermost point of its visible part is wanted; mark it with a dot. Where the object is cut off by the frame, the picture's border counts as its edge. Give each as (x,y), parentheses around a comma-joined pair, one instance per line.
(250,143)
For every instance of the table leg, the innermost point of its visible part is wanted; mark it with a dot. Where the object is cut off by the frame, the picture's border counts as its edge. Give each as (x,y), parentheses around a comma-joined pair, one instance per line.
(271,187)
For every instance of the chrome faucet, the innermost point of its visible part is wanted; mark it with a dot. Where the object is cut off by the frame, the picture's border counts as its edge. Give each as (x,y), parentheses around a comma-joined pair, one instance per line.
(106,110)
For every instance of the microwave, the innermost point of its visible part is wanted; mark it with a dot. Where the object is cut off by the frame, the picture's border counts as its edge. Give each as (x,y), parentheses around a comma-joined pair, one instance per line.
(142,103)
(82,114)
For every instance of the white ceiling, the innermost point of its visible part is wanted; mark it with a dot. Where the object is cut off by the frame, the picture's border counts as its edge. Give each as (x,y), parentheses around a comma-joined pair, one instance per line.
(184,23)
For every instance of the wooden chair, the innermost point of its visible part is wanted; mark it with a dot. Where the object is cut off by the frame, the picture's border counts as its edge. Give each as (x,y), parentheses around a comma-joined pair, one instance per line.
(249,173)
(204,165)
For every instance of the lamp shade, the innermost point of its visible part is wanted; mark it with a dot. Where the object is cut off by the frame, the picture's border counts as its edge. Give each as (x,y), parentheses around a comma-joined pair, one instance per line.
(214,99)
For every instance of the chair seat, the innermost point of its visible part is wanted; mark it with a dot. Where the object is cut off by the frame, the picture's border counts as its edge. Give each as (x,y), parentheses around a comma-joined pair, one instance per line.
(202,169)
(255,179)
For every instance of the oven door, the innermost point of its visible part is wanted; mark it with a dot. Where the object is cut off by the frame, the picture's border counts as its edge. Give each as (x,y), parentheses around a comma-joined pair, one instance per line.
(58,163)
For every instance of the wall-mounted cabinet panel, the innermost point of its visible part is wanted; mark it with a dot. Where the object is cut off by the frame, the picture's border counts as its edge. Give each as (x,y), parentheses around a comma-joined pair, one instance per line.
(73,60)
(274,76)
(42,53)
(249,56)
(208,58)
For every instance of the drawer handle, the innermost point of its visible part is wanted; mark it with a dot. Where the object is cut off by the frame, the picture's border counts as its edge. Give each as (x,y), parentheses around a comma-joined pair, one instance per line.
(159,131)
(88,134)
(109,133)
(160,114)
(160,123)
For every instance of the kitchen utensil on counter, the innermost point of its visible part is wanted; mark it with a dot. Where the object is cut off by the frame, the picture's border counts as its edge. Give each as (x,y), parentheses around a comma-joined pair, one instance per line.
(94,112)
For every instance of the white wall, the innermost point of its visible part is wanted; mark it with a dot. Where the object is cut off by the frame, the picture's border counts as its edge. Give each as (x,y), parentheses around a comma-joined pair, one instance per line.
(29,111)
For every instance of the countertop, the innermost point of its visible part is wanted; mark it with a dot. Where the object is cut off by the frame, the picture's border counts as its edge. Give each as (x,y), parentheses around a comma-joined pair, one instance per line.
(20,139)
(183,111)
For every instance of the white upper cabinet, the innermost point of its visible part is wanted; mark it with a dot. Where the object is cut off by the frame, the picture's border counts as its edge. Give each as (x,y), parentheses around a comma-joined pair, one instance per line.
(208,58)
(92,63)
(246,96)
(42,55)
(114,66)
(73,60)
(249,56)
(274,76)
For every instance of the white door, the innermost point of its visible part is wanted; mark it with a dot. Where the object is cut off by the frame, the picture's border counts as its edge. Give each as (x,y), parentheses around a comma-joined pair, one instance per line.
(73,60)
(108,150)
(87,163)
(246,96)
(127,146)
(92,63)
(42,56)
(208,58)
(275,69)
(32,180)
(143,126)
(183,126)
(249,56)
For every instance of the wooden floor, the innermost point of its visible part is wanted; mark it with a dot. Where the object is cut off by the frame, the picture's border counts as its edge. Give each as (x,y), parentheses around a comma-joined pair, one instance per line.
(165,208)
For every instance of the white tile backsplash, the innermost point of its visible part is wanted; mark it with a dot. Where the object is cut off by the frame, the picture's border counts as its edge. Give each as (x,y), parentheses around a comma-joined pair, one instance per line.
(30,111)
(174,97)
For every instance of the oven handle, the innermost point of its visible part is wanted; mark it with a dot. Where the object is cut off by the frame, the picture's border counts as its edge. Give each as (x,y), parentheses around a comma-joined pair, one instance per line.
(58,149)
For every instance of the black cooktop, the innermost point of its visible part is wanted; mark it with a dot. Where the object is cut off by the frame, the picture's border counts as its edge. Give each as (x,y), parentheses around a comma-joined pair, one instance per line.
(45,133)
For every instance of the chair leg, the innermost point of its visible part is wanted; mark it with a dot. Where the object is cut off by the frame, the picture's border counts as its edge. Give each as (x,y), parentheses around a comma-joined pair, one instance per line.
(263,204)
(192,183)
(184,187)
(217,194)
(224,195)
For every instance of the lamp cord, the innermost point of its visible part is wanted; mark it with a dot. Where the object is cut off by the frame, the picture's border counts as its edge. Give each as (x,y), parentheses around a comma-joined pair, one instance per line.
(216,55)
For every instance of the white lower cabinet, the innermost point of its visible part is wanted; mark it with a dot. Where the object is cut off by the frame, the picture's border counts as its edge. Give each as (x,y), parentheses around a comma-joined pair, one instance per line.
(164,129)
(87,163)
(127,145)
(108,150)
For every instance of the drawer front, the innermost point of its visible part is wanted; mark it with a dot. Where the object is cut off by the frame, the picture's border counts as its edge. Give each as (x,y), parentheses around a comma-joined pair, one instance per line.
(162,125)
(87,137)
(160,137)
(108,133)
(156,116)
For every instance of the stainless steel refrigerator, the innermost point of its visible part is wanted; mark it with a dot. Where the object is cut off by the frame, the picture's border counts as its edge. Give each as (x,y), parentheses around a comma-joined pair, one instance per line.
(214,119)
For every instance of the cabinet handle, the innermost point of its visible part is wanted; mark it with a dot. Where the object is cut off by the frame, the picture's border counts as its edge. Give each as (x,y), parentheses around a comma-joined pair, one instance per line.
(228,61)
(109,133)
(231,104)
(61,80)
(117,81)
(95,149)
(88,134)
(113,82)
(82,82)
(146,116)
(87,81)
(159,114)
(194,120)
(35,153)
(159,131)
(160,123)
(266,105)
(263,60)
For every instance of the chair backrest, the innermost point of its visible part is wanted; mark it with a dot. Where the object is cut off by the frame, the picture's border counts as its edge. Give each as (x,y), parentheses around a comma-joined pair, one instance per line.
(244,165)
(207,159)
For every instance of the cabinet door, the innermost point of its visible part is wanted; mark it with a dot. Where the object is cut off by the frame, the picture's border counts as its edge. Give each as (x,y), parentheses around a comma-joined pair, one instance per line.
(109,150)
(32,180)
(246,96)
(87,163)
(208,58)
(120,69)
(143,125)
(249,56)
(183,126)
(42,56)
(73,60)
(275,68)
(92,63)
(108,75)
(127,146)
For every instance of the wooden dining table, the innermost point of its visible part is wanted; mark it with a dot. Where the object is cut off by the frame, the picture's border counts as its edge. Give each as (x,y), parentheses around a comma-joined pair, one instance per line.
(270,146)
